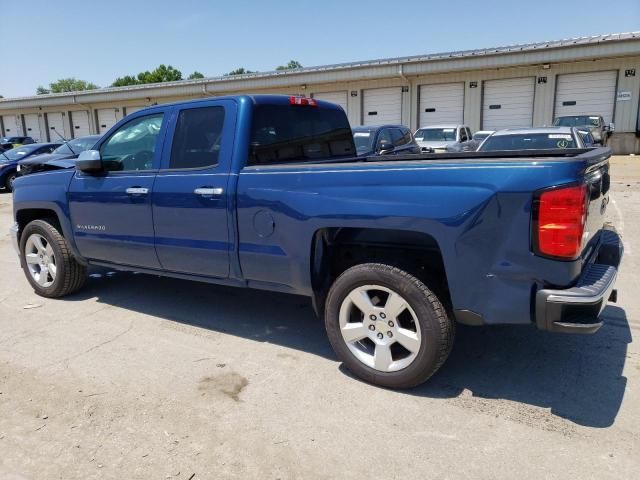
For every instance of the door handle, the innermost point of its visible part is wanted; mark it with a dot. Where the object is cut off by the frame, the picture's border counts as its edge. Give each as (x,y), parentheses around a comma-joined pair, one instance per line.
(137,191)
(208,191)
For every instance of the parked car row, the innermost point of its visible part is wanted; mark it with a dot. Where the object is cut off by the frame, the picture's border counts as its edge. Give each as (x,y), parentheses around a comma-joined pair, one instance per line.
(36,157)
(583,131)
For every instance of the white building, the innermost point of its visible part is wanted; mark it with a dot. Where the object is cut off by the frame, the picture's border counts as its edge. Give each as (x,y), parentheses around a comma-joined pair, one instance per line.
(513,86)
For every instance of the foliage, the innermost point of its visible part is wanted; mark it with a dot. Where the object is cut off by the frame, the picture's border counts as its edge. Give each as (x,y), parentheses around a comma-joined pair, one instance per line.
(67,85)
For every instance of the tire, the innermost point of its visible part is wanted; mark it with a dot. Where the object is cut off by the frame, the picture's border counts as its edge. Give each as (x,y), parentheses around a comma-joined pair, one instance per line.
(406,313)
(48,264)
(8,182)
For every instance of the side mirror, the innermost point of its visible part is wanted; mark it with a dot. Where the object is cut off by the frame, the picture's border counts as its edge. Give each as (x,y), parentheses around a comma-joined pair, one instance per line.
(385,148)
(611,128)
(89,161)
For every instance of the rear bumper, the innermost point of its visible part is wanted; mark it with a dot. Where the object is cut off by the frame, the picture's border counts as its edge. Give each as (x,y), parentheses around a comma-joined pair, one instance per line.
(577,309)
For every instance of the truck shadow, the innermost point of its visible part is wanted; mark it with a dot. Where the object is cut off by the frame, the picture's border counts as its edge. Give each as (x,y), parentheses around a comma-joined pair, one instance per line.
(578,377)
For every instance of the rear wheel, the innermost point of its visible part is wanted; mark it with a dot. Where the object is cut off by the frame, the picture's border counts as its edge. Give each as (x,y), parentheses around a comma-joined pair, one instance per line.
(386,325)
(47,261)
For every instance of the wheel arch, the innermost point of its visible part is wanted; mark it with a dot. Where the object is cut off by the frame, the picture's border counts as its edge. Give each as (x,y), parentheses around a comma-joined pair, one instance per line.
(27,214)
(334,250)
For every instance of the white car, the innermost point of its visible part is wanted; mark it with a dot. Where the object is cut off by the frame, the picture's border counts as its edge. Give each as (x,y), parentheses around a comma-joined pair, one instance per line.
(437,138)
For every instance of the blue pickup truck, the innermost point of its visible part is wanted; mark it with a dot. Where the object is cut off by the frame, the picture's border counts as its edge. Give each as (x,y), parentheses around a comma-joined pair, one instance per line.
(267,192)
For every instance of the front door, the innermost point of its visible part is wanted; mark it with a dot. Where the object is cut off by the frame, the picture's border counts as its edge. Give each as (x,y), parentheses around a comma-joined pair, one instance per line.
(111,210)
(190,196)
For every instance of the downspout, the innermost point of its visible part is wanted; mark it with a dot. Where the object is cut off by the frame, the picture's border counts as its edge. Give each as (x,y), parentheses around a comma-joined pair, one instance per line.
(204,91)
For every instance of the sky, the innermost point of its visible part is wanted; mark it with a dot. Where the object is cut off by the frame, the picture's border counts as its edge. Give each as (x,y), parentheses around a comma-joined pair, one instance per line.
(42,41)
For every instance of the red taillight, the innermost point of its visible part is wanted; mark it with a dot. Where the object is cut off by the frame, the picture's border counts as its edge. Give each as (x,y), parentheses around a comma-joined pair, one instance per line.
(303,101)
(561,214)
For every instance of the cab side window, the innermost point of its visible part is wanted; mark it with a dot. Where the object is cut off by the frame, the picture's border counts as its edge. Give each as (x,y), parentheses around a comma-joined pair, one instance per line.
(133,145)
(196,143)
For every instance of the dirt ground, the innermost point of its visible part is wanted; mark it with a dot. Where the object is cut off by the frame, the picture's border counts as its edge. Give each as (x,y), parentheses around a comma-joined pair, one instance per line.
(141,377)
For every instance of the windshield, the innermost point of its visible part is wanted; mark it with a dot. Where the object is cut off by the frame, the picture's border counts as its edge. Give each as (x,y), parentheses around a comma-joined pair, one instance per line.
(16,153)
(11,140)
(78,145)
(530,141)
(577,121)
(436,134)
(363,141)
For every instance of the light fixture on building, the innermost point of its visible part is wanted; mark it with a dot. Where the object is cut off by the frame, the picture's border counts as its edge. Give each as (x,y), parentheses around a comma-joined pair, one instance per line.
(303,86)
(546,66)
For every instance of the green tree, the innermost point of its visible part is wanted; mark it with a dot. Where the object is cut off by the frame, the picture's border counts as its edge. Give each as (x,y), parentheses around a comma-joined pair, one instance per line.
(239,71)
(163,73)
(195,75)
(293,64)
(67,85)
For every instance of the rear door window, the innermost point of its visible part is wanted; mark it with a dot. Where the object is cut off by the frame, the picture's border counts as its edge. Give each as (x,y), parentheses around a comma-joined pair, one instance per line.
(297,133)
(197,139)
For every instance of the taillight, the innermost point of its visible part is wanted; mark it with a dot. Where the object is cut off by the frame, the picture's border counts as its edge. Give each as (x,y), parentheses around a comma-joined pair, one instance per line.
(303,101)
(559,218)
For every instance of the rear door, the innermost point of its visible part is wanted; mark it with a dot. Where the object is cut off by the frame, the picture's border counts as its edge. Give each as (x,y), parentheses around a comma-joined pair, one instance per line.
(111,210)
(191,197)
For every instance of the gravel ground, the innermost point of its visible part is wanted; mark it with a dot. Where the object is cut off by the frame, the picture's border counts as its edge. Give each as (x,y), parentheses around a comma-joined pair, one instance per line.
(141,377)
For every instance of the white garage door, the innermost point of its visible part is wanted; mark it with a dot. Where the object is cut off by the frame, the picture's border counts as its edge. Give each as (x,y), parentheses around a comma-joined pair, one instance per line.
(586,94)
(56,124)
(12,125)
(339,98)
(33,127)
(508,103)
(443,103)
(382,106)
(106,119)
(130,110)
(80,122)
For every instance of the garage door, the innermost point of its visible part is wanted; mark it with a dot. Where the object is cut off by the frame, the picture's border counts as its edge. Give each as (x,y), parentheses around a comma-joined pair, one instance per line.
(12,125)
(33,127)
(80,122)
(586,94)
(381,106)
(55,123)
(130,110)
(339,98)
(508,103)
(443,103)
(106,119)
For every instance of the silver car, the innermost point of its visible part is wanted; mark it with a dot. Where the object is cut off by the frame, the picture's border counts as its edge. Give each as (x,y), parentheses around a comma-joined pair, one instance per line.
(437,138)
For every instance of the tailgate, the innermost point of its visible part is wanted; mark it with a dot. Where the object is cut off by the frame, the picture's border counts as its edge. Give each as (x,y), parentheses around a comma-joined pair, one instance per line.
(598,183)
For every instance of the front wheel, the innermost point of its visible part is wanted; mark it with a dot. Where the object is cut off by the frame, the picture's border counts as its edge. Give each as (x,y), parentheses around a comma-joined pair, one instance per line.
(386,325)
(8,183)
(47,261)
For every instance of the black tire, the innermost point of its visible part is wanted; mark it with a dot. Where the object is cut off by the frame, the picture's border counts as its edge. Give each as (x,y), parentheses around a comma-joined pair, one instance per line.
(8,182)
(439,329)
(70,275)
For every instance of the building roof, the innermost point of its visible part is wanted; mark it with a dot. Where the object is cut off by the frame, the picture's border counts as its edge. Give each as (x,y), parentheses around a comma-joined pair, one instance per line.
(394,66)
